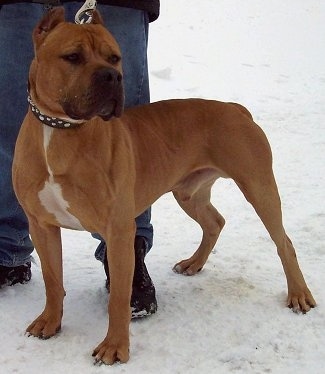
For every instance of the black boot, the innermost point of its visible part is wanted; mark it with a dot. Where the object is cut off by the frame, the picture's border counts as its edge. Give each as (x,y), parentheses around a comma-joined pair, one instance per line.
(17,274)
(143,299)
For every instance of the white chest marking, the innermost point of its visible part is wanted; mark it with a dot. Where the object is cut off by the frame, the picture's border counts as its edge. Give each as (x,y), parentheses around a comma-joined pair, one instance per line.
(51,195)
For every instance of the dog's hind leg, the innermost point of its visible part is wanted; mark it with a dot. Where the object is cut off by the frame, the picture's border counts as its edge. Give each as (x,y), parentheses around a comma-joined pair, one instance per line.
(261,191)
(199,207)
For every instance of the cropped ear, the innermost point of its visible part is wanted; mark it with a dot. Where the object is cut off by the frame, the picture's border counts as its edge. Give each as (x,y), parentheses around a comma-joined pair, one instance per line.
(97,18)
(50,20)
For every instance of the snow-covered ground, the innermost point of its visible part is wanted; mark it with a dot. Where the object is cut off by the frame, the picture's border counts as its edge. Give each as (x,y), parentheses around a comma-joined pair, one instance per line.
(269,56)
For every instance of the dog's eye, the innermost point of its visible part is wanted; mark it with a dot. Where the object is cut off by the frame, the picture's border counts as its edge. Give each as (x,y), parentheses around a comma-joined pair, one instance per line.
(73,58)
(114,59)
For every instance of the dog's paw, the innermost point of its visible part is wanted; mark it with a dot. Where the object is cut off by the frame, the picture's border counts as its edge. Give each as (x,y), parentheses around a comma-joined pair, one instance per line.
(107,353)
(301,302)
(44,328)
(187,267)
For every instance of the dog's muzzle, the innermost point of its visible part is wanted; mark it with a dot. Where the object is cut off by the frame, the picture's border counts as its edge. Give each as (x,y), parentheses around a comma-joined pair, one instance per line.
(104,97)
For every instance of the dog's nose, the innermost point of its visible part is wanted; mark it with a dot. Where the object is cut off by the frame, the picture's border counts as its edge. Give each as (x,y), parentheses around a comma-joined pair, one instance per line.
(106,76)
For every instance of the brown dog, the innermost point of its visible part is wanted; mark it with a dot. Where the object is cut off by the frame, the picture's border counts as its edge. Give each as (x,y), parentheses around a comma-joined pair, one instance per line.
(101,171)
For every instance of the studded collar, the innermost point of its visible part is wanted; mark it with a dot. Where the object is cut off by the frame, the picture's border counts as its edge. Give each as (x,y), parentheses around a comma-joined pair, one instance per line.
(54,122)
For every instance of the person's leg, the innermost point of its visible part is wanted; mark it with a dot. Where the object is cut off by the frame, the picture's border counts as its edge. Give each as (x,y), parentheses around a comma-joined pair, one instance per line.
(130,28)
(16,25)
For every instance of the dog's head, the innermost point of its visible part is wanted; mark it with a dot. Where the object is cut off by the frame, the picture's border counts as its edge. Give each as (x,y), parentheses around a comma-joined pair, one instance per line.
(77,69)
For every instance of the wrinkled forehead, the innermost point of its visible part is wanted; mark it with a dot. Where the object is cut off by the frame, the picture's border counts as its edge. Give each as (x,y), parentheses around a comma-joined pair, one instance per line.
(69,37)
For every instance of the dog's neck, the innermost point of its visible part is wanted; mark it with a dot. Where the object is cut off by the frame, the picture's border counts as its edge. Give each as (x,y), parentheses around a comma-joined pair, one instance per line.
(57,123)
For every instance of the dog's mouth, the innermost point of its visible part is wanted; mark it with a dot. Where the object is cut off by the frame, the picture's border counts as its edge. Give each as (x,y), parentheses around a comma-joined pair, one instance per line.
(86,112)
(109,111)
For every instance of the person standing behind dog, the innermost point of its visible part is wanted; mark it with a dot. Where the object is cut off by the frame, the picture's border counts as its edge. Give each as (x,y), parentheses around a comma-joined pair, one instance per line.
(128,21)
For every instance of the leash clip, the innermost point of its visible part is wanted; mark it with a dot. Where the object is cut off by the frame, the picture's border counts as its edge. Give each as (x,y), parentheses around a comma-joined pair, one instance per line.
(85,13)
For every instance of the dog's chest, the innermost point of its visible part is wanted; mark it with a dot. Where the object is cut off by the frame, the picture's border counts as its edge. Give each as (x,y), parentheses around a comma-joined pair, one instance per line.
(51,196)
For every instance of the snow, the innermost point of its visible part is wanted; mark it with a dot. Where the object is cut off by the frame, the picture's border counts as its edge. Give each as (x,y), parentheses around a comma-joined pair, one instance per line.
(230,318)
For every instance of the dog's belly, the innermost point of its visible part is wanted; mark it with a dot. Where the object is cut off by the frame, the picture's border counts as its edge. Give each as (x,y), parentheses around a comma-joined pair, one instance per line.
(53,201)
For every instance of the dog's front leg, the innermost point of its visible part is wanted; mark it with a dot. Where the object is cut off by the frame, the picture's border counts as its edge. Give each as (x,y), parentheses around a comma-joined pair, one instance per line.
(120,256)
(47,241)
